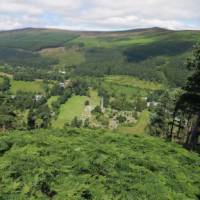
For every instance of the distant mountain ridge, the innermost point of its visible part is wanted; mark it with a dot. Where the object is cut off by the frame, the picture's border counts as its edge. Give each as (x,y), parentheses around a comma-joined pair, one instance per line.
(99,31)
(61,35)
(154,53)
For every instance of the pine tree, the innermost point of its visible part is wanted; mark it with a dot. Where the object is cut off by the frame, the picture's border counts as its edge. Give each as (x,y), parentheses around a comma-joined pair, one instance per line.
(159,122)
(189,102)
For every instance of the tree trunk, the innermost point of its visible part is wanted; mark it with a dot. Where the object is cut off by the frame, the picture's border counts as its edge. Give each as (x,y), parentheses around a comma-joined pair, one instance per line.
(179,128)
(173,123)
(195,134)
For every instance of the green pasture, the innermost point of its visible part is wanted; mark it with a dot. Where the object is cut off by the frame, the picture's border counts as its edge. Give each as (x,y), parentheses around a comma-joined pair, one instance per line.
(1,80)
(94,98)
(133,82)
(111,41)
(27,86)
(74,107)
(118,89)
(51,100)
(138,128)
(65,56)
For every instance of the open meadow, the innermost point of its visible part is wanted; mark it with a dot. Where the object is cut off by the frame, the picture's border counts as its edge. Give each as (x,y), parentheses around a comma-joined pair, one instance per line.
(27,86)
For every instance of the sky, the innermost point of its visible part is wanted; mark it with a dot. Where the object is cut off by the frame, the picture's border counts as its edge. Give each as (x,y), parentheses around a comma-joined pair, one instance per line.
(102,15)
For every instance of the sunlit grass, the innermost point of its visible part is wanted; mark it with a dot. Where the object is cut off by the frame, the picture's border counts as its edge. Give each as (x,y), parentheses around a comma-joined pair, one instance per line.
(51,100)
(74,107)
(133,82)
(65,56)
(139,127)
(27,86)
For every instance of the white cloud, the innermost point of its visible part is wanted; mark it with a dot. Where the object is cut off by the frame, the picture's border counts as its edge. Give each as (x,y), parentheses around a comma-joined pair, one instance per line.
(100,14)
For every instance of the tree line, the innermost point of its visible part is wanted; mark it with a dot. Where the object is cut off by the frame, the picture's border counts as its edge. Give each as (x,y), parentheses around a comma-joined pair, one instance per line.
(177,117)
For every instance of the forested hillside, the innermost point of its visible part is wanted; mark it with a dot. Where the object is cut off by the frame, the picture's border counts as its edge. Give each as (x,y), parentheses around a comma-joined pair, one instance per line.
(83,164)
(153,54)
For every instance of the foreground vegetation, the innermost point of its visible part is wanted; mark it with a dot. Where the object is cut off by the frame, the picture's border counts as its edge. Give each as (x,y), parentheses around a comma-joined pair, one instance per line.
(82,164)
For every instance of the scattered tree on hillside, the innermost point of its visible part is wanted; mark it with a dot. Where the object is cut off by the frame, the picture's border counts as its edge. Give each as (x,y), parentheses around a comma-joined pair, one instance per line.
(77,123)
(8,118)
(121,119)
(97,110)
(39,118)
(141,104)
(5,85)
(80,87)
(160,118)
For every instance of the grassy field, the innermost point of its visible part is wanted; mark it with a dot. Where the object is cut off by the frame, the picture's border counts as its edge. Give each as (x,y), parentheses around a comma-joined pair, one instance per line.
(51,100)
(65,56)
(130,86)
(112,41)
(27,86)
(129,91)
(74,107)
(139,127)
(94,98)
(133,82)
(78,164)
(1,79)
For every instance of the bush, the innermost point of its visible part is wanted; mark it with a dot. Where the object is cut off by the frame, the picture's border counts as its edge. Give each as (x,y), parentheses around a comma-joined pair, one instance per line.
(121,119)
(77,123)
